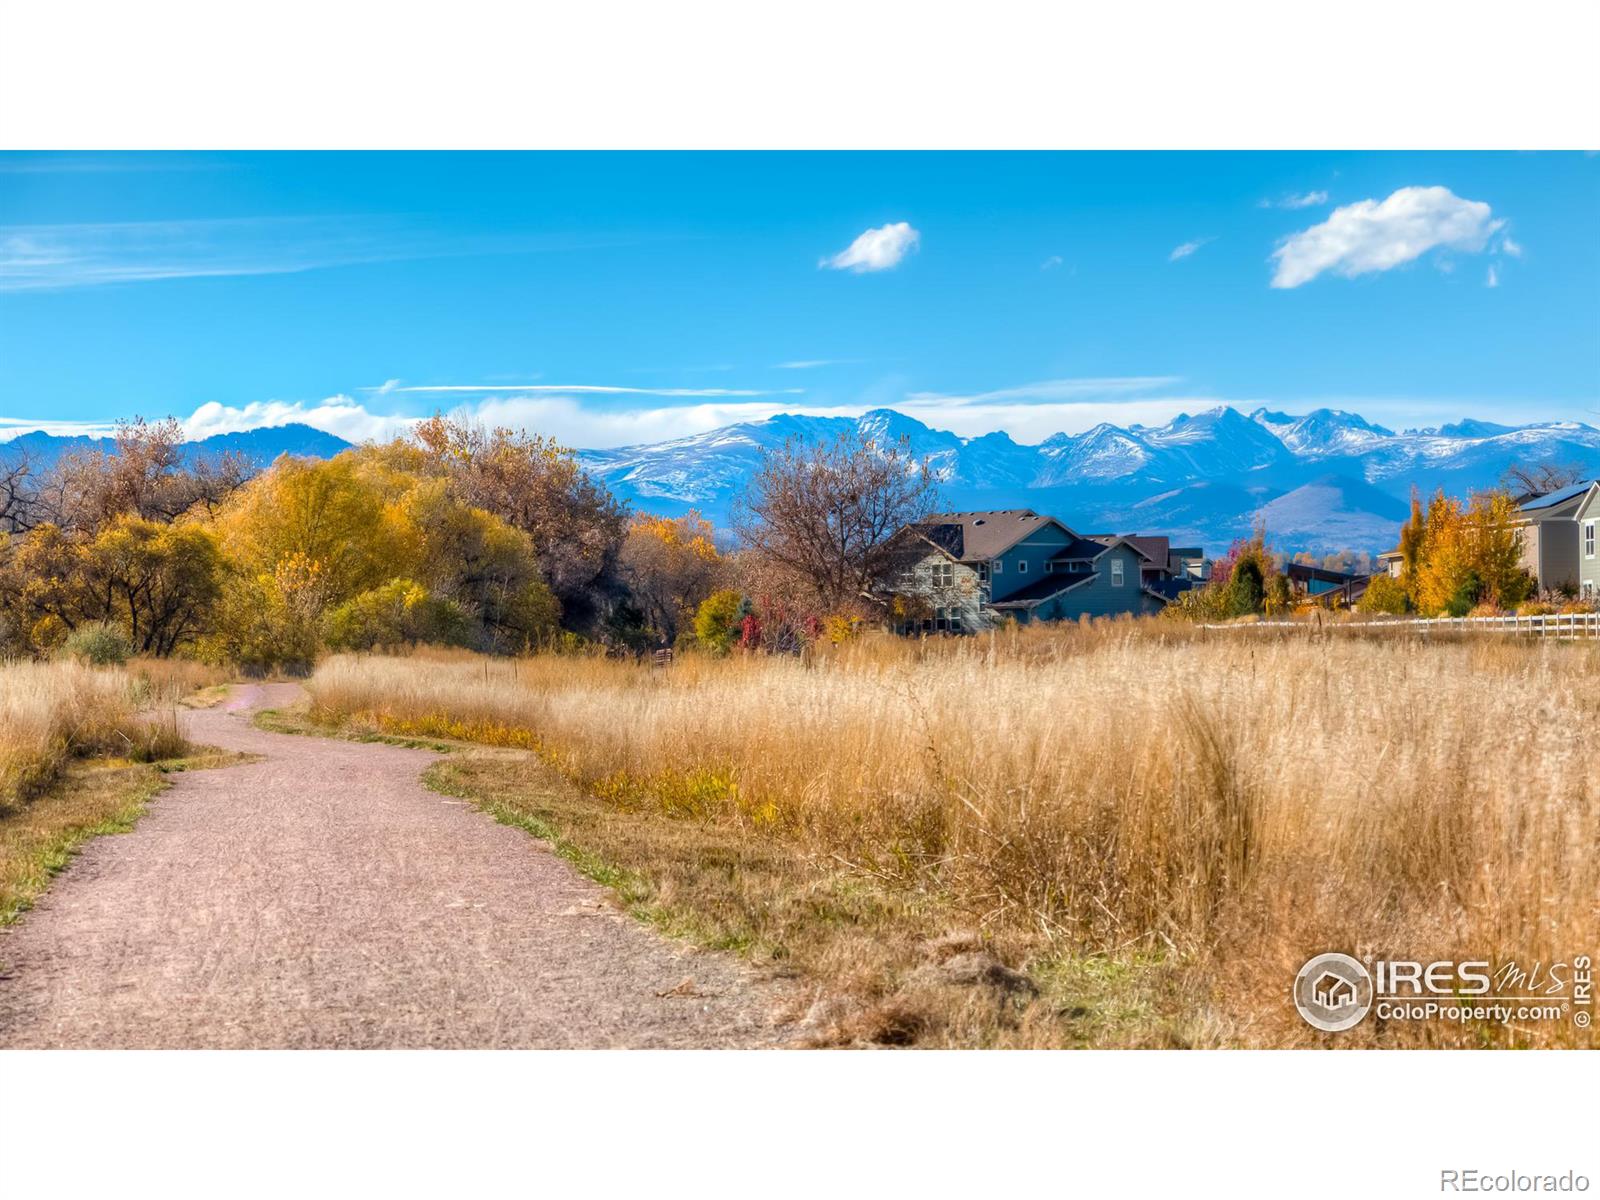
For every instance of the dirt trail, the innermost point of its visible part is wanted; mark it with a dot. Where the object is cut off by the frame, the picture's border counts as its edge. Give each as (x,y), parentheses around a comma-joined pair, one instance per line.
(323,897)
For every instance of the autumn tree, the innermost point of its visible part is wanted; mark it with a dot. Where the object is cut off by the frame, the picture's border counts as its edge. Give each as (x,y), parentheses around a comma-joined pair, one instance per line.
(157,582)
(670,565)
(20,498)
(1465,554)
(826,514)
(536,485)
(1494,544)
(147,473)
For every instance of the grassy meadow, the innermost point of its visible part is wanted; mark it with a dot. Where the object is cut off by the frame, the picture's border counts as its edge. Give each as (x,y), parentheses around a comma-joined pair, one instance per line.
(1156,825)
(82,751)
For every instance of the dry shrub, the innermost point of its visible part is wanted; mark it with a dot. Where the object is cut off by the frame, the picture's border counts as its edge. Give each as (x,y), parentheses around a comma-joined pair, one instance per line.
(53,712)
(1232,802)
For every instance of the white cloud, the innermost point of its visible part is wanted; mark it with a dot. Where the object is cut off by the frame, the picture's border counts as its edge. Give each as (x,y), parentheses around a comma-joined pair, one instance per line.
(1050,263)
(808,364)
(1514,249)
(1373,235)
(339,415)
(875,250)
(1302,200)
(1188,248)
(1493,278)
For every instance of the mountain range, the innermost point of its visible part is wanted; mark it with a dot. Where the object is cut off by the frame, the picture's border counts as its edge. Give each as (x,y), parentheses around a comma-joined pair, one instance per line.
(257,446)
(1327,480)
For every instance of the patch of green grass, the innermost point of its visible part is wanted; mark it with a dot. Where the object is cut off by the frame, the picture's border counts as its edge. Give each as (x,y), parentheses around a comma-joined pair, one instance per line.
(300,723)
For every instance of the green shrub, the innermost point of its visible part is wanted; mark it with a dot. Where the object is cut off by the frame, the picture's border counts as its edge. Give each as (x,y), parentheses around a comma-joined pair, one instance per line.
(1384,594)
(398,613)
(716,621)
(100,644)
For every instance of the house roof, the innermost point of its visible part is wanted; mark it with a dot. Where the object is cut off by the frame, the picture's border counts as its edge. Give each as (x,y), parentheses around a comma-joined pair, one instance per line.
(1305,573)
(1387,555)
(1167,590)
(1539,505)
(1081,549)
(1151,547)
(973,536)
(1041,590)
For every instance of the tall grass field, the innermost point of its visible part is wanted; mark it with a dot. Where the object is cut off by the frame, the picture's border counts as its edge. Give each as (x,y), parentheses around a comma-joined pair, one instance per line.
(1193,816)
(51,713)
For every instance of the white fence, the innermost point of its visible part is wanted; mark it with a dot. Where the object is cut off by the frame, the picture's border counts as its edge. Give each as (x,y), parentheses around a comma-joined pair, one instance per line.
(1566,626)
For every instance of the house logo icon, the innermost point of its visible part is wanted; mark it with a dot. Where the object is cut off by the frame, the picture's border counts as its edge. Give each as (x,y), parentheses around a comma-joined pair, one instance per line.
(1333,992)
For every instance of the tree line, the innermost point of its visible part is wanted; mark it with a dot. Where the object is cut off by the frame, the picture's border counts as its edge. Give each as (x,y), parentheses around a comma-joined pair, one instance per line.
(453,535)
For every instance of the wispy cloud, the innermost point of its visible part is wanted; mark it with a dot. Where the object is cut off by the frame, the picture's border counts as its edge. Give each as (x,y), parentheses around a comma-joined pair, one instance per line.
(811,364)
(1297,200)
(53,257)
(1051,263)
(76,164)
(1188,248)
(875,250)
(1374,235)
(1493,278)
(594,389)
(1507,246)
(1048,391)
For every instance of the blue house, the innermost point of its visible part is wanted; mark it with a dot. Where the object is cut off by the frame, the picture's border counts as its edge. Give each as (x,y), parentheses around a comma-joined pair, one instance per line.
(966,571)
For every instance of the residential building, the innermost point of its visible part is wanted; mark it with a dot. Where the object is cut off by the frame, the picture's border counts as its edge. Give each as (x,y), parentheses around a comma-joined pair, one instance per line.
(1392,562)
(1586,519)
(1549,524)
(1322,586)
(965,571)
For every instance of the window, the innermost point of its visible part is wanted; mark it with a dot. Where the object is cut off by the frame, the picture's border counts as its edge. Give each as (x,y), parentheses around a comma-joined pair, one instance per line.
(1022,566)
(983,572)
(997,566)
(944,574)
(1588,539)
(1116,572)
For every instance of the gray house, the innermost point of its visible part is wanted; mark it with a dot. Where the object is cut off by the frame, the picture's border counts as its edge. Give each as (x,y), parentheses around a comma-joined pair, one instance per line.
(966,571)
(1586,517)
(1552,548)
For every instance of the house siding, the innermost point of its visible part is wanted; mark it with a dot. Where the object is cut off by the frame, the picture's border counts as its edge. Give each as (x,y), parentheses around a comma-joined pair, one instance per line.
(1037,549)
(1558,554)
(1588,565)
(1098,597)
(965,594)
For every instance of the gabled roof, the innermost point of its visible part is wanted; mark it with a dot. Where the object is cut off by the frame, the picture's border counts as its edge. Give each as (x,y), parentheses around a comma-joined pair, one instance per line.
(1041,590)
(1080,549)
(976,536)
(1537,506)
(1151,547)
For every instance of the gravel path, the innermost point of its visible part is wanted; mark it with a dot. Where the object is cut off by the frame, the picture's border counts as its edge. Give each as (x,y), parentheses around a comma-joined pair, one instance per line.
(324,898)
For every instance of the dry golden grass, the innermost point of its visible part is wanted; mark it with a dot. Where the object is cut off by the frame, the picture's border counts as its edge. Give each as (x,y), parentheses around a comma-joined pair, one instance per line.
(1159,825)
(51,713)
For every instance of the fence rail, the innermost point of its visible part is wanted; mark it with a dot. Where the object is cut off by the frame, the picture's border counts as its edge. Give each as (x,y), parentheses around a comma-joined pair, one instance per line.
(1565,626)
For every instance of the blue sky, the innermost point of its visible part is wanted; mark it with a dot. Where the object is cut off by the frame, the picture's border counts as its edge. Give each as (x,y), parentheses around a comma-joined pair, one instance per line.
(614,298)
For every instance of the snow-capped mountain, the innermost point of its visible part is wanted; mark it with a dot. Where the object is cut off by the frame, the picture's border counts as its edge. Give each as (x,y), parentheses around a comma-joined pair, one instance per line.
(1322,480)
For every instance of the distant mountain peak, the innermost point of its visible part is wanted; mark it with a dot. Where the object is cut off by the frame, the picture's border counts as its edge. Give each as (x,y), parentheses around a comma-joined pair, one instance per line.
(1201,476)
